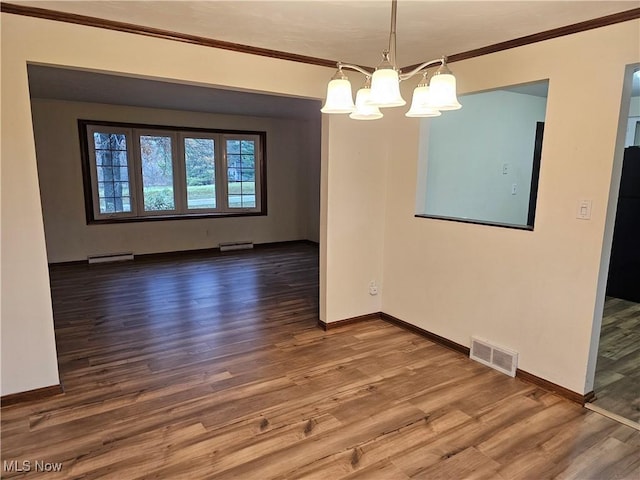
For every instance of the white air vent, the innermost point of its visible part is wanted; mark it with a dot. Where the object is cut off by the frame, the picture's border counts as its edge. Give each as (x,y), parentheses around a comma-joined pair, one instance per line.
(225,247)
(502,359)
(110,257)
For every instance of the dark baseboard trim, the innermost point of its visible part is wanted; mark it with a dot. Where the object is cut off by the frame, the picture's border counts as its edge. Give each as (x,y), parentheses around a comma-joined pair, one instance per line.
(348,321)
(31,395)
(283,243)
(68,264)
(198,251)
(555,388)
(445,342)
(589,397)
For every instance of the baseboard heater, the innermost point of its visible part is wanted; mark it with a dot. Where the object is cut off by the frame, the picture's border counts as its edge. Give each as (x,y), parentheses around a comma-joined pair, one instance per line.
(227,246)
(110,257)
(501,359)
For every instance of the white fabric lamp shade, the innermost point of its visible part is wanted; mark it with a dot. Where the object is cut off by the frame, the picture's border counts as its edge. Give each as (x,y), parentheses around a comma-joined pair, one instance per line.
(442,92)
(420,104)
(385,88)
(364,109)
(339,97)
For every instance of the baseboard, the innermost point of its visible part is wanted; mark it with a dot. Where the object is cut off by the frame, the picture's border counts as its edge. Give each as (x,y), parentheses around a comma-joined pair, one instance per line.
(31,395)
(198,251)
(445,342)
(555,388)
(284,243)
(348,321)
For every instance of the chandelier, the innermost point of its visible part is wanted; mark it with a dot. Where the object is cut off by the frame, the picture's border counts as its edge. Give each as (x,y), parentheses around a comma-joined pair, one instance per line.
(382,87)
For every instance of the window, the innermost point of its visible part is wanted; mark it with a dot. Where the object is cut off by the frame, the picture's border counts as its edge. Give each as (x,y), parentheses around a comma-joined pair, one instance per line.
(481,164)
(139,172)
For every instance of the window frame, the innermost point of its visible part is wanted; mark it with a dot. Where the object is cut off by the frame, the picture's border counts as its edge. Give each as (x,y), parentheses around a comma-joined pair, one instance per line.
(93,171)
(139,179)
(258,167)
(178,134)
(182,136)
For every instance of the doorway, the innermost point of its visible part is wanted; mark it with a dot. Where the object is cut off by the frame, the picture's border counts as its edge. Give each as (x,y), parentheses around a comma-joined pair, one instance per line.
(617,372)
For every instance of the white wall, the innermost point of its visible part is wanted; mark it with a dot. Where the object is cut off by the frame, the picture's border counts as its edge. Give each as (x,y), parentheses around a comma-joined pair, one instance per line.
(535,291)
(292,172)
(28,344)
(466,152)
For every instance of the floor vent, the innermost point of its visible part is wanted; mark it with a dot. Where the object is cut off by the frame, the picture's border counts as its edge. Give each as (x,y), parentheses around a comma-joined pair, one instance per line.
(502,359)
(110,257)
(227,246)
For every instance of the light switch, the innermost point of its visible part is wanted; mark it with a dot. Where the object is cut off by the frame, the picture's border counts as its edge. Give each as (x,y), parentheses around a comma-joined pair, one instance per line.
(584,210)
(505,168)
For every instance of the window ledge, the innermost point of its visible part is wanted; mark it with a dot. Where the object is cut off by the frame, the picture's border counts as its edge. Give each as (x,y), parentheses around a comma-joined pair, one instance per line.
(156,218)
(477,222)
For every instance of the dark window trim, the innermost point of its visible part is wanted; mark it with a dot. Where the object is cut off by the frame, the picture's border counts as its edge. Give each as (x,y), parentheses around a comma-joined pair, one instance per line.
(88,187)
(535,174)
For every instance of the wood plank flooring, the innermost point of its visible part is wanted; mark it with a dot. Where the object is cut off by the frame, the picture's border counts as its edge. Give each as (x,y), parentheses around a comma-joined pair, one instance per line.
(199,367)
(617,381)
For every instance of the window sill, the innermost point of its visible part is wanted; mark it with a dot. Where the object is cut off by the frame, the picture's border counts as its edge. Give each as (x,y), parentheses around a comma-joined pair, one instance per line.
(514,226)
(156,218)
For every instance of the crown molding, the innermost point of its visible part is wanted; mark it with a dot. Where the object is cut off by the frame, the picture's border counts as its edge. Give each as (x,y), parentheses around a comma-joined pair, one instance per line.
(620,17)
(158,33)
(85,20)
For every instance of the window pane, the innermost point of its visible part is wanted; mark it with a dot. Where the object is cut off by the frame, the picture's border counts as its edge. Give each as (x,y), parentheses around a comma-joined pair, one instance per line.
(112,172)
(248,161)
(157,172)
(199,157)
(241,173)
(233,161)
(233,146)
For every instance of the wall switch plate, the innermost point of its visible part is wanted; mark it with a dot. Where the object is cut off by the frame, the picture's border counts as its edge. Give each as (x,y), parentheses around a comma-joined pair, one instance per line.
(505,168)
(514,189)
(584,210)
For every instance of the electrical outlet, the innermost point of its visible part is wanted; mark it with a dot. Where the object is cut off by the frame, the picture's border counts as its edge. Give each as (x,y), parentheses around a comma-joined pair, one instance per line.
(373,288)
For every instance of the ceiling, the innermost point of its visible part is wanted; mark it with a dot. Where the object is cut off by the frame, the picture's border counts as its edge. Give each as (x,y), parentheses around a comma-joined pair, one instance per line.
(83,86)
(350,31)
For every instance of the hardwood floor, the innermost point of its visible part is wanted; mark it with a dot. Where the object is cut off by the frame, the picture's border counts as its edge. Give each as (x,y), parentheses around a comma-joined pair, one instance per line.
(202,367)
(617,382)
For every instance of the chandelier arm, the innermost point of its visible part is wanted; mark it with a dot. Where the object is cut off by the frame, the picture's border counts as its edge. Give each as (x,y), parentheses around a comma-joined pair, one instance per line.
(355,67)
(422,66)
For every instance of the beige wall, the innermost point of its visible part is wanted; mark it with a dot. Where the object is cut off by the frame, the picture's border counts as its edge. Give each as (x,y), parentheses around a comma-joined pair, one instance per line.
(28,344)
(353,184)
(531,291)
(534,292)
(292,157)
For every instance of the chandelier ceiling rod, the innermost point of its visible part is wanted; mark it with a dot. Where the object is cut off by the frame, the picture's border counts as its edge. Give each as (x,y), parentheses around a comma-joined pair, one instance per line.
(392,34)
